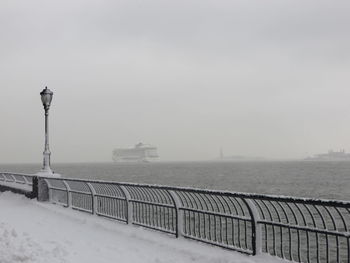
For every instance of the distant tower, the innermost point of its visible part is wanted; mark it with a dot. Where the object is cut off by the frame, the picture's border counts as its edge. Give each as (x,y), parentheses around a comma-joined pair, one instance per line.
(221,154)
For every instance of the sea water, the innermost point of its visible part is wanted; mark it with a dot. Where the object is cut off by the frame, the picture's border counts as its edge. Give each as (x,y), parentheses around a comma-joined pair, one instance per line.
(329,180)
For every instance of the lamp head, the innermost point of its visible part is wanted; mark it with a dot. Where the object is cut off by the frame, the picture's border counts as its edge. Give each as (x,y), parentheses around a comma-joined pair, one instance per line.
(46,98)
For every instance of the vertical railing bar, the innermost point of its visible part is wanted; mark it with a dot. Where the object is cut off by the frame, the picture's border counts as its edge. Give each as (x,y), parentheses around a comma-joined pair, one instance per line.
(226,220)
(281,229)
(204,218)
(289,231)
(184,203)
(308,234)
(221,228)
(153,215)
(233,232)
(290,234)
(192,222)
(220,219)
(69,194)
(147,217)
(187,198)
(335,228)
(137,206)
(159,217)
(215,229)
(93,198)
(199,205)
(154,193)
(239,231)
(257,204)
(209,217)
(216,208)
(256,227)
(144,211)
(299,241)
(348,250)
(129,205)
(273,228)
(143,214)
(137,196)
(325,227)
(163,197)
(116,207)
(239,204)
(108,201)
(146,195)
(279,220)
(342,218)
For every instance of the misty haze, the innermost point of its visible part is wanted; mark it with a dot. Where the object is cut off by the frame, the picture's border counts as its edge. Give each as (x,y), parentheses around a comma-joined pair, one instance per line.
(265,79)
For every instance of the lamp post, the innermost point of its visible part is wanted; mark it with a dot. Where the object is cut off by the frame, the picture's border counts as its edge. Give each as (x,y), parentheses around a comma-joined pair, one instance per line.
(46,98)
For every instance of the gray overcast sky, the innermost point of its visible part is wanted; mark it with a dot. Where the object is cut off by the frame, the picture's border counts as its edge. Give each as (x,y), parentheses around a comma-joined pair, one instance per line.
(259,78)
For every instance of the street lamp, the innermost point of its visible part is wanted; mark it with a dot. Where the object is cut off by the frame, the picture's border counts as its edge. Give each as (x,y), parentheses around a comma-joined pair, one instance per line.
(46,98)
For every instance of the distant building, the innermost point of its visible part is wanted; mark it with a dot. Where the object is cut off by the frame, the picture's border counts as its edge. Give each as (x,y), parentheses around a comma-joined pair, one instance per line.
(221,154)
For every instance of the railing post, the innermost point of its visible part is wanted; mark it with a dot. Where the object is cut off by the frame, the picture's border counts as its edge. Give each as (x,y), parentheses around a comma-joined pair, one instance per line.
(94,198)
(129,212)
(43,189)
(35,187)
(69,194)
(256,227)
(179,214)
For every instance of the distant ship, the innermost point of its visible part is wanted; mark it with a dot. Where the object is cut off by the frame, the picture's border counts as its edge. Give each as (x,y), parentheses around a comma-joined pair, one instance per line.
(237,158)
(330,156)
(139,153)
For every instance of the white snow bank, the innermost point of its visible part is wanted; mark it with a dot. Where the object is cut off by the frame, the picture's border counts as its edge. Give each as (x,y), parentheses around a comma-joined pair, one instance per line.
(42,232)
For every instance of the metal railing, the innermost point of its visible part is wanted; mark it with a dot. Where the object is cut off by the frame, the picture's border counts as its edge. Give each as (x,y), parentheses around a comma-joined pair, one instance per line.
(26,179)
(297,229)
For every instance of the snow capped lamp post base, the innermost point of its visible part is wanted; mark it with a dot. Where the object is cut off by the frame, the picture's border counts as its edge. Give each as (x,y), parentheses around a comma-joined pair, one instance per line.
(44,173)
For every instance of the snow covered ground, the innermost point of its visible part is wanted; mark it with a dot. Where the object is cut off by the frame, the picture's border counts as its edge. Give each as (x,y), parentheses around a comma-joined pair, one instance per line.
(40,232)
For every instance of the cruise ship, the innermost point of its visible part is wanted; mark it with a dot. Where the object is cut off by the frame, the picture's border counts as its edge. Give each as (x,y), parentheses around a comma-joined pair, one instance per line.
(139,153)
(331,156)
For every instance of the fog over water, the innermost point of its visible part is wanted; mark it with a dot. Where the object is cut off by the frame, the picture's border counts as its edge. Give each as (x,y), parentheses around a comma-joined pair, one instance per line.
(257,78)
(303,179)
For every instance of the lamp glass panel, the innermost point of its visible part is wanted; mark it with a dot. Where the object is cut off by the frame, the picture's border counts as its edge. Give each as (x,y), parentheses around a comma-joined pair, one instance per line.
(46,98)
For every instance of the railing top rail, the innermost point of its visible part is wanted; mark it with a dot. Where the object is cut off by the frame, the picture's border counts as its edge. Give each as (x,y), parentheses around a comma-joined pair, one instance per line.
(311,201)
(31,175)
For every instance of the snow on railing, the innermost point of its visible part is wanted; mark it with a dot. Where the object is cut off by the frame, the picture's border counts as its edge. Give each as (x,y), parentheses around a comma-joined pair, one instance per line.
(17,178)
(296,229)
